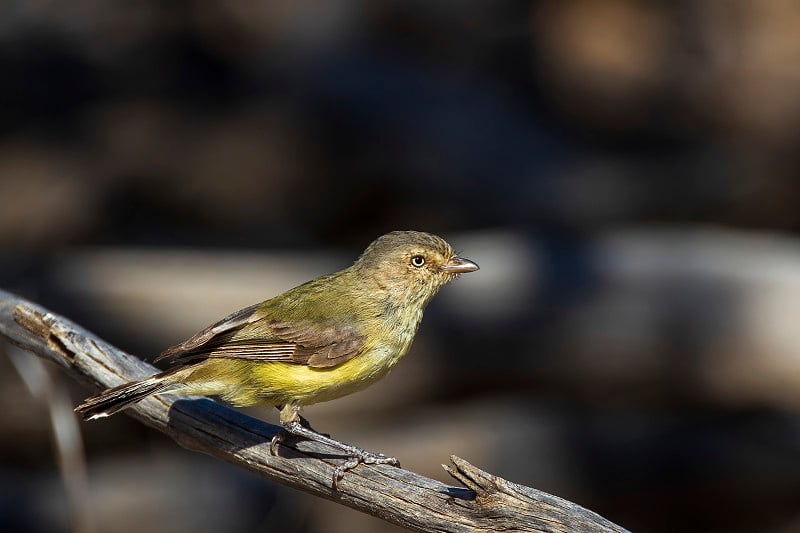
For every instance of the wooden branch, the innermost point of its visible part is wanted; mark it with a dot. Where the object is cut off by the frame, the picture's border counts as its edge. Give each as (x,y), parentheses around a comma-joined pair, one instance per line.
(488,503)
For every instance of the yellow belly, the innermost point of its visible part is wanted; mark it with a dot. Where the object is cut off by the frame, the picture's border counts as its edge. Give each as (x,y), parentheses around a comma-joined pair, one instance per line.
(243,382)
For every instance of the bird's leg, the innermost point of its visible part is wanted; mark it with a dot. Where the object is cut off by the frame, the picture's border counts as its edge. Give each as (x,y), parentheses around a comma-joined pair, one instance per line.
(306,424)
(283,433)
(281,436)
(292,423)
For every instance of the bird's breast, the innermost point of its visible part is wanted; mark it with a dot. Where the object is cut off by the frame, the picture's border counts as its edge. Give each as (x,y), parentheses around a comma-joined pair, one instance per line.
(280,383)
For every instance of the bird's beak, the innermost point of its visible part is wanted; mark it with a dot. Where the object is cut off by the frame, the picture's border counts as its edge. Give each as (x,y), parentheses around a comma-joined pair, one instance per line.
(459,265)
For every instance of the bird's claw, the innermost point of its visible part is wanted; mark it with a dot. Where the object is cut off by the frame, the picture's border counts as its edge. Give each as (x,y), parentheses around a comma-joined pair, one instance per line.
(277,439)
(358,457)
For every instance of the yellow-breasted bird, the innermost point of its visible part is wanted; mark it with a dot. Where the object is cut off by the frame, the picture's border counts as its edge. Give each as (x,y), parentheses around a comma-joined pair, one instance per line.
(316,342)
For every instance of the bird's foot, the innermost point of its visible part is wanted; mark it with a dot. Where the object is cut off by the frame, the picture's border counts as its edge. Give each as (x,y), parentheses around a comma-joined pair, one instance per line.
(285,433)
(358,456)
(355,455)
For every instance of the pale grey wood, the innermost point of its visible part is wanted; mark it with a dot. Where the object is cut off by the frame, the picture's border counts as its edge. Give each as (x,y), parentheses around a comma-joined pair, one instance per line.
(488,503)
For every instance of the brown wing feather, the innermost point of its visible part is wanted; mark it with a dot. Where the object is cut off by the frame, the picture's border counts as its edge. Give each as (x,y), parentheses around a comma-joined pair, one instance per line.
(316,344)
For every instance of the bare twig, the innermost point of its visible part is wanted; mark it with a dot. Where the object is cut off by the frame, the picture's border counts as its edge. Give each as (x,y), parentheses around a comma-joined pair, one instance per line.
(66,435)
(489,503)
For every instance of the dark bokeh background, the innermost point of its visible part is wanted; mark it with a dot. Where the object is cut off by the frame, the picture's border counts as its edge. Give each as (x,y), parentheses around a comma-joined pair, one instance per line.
(625,172)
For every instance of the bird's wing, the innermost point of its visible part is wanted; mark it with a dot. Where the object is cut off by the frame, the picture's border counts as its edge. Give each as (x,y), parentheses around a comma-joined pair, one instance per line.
(246,335)
(320,345)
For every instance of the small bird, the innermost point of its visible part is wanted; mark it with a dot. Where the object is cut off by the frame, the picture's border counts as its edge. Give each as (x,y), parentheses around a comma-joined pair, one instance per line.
(319,341)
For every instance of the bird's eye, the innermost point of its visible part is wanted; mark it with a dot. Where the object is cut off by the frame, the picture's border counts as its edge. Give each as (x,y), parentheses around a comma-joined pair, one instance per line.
(417,261)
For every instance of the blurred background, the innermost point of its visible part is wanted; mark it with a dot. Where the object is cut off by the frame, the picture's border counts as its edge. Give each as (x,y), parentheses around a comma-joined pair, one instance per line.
(625,172)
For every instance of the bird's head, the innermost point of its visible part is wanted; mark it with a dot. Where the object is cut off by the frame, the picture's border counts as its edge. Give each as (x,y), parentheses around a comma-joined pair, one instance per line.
(409,267)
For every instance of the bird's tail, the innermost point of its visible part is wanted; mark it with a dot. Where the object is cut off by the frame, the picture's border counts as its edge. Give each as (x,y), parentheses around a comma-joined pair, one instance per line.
(115,399)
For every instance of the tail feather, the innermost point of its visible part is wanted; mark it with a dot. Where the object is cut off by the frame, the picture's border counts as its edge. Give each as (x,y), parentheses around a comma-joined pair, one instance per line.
(115,399)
